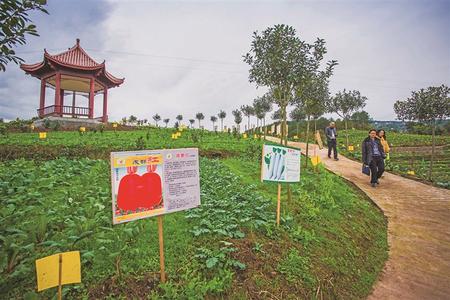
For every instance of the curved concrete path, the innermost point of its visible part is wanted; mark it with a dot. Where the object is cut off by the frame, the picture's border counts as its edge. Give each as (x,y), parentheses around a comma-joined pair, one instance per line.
(418,216)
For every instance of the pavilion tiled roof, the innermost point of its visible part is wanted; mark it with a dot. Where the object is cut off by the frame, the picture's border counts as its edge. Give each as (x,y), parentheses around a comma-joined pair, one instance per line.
(74,58)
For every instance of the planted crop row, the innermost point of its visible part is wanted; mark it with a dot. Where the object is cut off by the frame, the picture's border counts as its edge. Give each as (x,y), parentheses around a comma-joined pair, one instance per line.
(64,205)
(99,145)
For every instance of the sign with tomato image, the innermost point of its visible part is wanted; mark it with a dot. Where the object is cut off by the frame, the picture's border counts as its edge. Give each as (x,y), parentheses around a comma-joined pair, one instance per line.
(153,182)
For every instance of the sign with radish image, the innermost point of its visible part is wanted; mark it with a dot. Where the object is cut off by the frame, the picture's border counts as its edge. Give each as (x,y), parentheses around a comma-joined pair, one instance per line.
(280,164)
(154,182)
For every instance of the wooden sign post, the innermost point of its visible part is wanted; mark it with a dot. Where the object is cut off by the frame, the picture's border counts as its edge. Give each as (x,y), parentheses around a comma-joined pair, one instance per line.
(278,204)
(161,248)
(319,140)
(280,165)
(153,190)
(60,278)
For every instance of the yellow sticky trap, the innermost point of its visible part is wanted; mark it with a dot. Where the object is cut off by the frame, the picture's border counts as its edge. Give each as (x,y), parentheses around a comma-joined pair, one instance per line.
(315,160)
(295,137)
(351,148)
(114,125)
(244,135)
(82,129)
(411,172)
(47,270)
(255,136)
(174,136)
(178,134)
(42,135)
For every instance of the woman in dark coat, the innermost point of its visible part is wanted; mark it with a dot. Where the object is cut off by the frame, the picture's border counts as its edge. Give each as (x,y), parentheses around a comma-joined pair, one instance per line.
(373,156)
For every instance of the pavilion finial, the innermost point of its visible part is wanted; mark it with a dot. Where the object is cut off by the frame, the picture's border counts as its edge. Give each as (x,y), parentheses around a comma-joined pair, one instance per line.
(78,42)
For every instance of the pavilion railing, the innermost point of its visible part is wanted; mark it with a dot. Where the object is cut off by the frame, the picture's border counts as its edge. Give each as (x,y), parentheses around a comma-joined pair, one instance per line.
(63,110)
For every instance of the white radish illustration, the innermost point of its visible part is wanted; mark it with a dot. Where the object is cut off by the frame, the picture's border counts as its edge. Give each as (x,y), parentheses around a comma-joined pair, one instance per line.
(280,168)
(275,168)
(271,164)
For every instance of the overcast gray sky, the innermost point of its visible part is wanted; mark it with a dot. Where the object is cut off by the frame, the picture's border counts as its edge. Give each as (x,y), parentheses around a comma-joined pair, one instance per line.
(186,57)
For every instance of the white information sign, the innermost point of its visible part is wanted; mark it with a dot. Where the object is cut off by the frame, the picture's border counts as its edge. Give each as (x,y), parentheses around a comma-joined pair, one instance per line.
(280,164)
(153,182)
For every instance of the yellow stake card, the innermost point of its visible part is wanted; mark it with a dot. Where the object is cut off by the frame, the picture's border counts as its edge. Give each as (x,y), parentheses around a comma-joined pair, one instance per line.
(42,135)
(351,148)
(47,270)
(315,160)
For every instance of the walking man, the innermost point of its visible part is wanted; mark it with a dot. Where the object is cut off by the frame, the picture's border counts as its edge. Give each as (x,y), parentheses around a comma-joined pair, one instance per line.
(331,134)
(373,156)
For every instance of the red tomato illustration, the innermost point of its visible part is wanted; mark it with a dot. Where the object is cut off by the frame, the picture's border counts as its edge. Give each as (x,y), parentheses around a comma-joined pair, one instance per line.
(129,195)
(153,190)
(137,191)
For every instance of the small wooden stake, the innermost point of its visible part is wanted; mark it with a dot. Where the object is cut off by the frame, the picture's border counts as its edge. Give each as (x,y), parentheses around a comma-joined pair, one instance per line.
(161,248)
(315,167)
(60,278)
(278,204)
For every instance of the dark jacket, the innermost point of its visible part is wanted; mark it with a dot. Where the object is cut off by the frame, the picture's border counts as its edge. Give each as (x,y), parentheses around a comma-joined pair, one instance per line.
(328,131)
(367,151)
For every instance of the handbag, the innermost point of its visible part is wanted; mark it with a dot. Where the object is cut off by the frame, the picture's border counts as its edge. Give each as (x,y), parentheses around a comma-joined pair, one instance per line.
(365,169)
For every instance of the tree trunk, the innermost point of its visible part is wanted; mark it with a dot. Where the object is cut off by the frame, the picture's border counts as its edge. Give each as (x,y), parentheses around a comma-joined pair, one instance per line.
(264,125)
(221,125)
(285,136)
(307,141)
(297,127)
(430,171)
(346,135)
(248,124)
(283,126)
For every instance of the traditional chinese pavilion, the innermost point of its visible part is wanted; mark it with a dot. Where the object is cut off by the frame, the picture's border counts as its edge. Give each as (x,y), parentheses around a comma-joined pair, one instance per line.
(73,70)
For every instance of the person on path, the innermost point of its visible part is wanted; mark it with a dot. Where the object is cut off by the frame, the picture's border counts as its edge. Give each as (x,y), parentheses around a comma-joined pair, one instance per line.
(373,156)
(381,134)
(331,134)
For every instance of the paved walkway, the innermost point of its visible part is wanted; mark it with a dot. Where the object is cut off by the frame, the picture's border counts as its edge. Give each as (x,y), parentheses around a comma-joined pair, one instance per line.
(418,231)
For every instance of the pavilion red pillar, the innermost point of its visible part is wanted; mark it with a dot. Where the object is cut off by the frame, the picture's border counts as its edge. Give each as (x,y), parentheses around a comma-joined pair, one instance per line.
(91,99)
(58,93)
(73,105)
(62,102)
(105,105)
(42,100)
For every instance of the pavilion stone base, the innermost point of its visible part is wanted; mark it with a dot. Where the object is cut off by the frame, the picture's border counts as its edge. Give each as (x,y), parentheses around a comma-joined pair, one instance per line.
(68,123)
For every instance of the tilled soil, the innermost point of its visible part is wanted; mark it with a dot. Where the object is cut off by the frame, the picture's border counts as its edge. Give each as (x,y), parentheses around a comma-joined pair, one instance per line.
(418,231)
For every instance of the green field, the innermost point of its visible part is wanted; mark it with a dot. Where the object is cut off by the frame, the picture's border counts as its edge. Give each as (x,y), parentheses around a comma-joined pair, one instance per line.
(55,196)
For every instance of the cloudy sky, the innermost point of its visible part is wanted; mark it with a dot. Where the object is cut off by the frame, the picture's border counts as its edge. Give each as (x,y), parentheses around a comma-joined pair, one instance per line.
(185,57)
